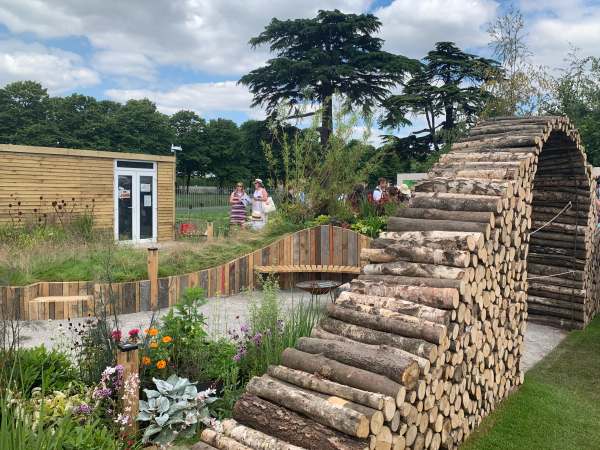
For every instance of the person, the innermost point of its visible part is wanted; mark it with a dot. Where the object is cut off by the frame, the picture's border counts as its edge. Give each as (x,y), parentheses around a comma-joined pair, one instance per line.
(260,196)
(380,191)
(238,201)
(403,193)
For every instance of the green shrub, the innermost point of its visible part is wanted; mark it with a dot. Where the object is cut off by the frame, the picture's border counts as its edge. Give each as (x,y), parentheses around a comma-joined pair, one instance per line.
(371,226)
(37,367)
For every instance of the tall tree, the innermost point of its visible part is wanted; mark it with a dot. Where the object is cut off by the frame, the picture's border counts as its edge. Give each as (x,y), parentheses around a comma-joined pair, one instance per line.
(188,129)
(222,139)
(525,87)
(446,90)
(319,57)
(23,104)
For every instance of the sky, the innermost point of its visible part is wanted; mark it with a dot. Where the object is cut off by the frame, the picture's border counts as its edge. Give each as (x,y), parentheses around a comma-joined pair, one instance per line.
(189,54)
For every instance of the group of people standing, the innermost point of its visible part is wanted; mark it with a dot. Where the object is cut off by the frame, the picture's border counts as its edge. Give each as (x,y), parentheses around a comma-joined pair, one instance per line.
(261,203)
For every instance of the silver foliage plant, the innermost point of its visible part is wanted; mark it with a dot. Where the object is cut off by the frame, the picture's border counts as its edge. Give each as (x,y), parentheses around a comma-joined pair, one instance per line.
(174,409)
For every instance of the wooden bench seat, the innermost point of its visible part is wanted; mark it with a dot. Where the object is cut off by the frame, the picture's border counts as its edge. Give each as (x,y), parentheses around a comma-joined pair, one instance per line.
(63,306)
(308,269)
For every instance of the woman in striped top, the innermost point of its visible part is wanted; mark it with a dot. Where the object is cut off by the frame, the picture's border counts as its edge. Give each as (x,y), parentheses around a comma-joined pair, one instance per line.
(238,200)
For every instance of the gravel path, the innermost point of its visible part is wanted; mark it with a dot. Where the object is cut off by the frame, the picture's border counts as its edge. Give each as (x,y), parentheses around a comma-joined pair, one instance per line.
(228,313)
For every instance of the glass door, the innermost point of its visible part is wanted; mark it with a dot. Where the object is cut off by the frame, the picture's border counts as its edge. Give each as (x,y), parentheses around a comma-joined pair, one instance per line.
(135,203)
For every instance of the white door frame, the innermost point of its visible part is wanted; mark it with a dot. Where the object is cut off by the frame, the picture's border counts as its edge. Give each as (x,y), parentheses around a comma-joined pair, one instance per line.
(135,174)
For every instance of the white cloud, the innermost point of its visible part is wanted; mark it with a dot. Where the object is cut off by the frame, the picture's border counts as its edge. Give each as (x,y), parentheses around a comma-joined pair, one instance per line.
(206,35)
(55,69)
(207,99)
(411,28)
(123,64)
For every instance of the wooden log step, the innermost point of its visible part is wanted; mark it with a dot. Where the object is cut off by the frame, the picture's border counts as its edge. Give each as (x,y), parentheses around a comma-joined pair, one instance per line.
(382,360)
(460,285)
(339,418)
(409,269)
(436,297)
(390,322)
(406,224)
(440,214)
(291,427)
(342,373)
(444,240)
(305,380)
(353,300)
(457,202)
(221,441)
(404,251)
(254,438)
(418,347)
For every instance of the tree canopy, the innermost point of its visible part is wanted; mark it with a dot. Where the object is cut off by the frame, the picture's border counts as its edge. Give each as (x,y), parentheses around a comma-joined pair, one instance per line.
(319,57)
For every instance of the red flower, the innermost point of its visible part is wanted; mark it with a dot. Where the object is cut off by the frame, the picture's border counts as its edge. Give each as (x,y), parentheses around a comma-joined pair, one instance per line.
(116,335)
(134,332)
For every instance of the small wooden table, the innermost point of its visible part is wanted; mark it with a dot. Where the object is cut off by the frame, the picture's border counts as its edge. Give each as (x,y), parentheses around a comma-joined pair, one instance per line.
(319,287)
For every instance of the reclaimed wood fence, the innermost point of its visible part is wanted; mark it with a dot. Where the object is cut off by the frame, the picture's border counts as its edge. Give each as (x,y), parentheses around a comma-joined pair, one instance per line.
(322,245)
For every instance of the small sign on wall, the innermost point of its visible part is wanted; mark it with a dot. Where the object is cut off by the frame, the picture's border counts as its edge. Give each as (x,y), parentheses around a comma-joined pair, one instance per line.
(124,194)
(146,187)
(147,201)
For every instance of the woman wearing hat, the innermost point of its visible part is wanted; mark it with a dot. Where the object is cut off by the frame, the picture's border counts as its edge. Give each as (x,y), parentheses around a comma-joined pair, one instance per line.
(260,196)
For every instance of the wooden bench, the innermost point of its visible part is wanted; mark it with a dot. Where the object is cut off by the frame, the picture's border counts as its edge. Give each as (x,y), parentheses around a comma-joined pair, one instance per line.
(65,306)
(308,269)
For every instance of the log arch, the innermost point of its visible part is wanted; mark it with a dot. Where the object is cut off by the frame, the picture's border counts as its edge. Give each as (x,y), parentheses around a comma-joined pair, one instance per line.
(428,339)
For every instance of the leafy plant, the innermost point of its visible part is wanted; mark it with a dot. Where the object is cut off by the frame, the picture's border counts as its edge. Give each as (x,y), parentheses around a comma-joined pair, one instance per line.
(371,226)
(173,409)
(28,369)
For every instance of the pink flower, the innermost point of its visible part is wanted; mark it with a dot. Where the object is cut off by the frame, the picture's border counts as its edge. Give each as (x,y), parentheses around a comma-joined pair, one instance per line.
(134,332)
(116,335)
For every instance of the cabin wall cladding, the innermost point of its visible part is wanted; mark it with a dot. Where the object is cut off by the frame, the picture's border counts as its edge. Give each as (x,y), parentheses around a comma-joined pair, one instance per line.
(323,245)
(429,338)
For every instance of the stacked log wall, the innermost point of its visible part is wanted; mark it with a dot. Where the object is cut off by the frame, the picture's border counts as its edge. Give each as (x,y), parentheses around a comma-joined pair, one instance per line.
(429,338)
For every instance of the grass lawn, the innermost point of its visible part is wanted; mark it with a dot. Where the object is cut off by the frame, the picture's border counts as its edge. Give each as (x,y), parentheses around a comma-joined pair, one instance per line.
(558,407)
(65,259)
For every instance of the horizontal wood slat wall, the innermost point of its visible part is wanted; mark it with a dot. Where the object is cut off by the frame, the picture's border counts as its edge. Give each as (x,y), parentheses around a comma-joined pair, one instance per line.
(324,245)
(56,174)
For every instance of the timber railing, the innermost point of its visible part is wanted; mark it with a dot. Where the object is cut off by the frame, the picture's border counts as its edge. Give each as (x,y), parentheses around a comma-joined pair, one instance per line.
(322,245)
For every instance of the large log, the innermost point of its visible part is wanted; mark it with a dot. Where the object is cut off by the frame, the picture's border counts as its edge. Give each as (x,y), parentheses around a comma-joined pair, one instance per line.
(254,439)
(339,418)
(405,252)
(383,360)
(544,301)
(460,285)
(465,186)
(341,373)
(404,224)
(358,333)
(220,441)
(353,299)
(444,240)
(570,314)
(309,381)
(440,214)
(457,202)
(400,324)
(558,322)
(410,269)
(291,427)
(436,297)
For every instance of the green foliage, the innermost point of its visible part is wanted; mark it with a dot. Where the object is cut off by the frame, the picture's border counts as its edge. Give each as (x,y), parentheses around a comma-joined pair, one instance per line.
(371,226)
(319,57)
(446,90)
(267,334)
(173,410)
(32,368)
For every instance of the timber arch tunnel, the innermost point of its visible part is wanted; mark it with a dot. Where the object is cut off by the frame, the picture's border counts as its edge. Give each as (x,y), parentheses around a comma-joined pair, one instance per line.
(428,339)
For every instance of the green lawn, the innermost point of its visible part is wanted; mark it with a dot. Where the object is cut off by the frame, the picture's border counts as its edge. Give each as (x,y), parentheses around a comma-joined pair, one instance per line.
(558,407)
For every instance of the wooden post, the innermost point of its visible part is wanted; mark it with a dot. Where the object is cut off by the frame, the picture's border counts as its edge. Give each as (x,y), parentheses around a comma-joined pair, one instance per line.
(153,276)
(128,357)
(210,231)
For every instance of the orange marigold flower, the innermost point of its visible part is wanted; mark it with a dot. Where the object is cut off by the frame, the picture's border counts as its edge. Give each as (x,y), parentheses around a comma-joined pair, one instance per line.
(146,361)
(153,344)
(152,331)
(167,339)
(161,364)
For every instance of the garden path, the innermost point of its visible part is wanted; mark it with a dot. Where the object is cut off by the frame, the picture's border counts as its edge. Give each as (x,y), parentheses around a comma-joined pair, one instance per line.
(228,313)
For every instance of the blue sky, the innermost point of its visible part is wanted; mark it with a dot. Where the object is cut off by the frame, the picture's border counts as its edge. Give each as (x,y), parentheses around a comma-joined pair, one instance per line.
(188,54)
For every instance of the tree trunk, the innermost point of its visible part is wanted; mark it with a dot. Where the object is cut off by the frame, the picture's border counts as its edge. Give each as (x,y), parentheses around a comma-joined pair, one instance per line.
(341,373)
(253,438)
(382,360)
(342,419)
(221,442)
(326,120)
(291,427)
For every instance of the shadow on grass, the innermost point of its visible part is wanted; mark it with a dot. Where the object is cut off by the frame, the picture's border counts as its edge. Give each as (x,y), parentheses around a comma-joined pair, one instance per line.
(558,407)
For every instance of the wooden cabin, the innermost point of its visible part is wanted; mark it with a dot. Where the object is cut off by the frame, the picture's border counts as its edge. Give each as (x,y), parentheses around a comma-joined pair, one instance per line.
(131,194)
